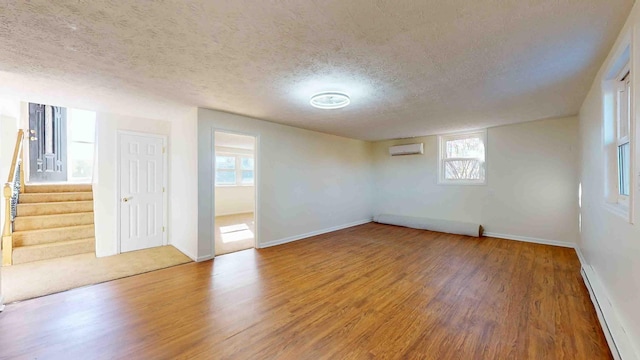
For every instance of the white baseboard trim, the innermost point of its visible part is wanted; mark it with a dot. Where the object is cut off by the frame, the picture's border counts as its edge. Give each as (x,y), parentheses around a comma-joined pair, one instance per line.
(191,256)
(313,233)
(233,213)
(204,258)
(530,239)
(583,261)
(617,339)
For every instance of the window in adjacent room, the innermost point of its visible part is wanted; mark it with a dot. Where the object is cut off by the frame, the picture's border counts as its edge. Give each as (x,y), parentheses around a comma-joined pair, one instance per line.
(246,167)
(234,170)
(225,170)
(462,158)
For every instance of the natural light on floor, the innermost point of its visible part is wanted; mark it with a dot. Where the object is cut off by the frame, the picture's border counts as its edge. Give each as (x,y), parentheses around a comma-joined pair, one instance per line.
(236,232)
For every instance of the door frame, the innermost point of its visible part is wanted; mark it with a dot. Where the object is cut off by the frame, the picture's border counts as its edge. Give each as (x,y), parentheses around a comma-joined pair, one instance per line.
(256,185)
(119,133)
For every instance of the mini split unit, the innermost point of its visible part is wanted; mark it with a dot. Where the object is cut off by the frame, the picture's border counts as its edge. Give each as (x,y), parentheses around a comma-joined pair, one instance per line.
(410,149)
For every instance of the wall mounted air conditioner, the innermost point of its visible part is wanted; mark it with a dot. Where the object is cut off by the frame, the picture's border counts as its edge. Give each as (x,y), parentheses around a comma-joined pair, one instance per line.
(410,149)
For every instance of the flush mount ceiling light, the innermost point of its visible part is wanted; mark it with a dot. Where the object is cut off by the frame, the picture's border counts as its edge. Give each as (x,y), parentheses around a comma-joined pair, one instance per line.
(330,100)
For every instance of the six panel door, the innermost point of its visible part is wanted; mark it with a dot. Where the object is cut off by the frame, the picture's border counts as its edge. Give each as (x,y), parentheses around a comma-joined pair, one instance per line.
(141,192)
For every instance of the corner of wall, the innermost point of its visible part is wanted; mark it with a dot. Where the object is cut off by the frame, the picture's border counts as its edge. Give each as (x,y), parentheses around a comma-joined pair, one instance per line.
(183,183)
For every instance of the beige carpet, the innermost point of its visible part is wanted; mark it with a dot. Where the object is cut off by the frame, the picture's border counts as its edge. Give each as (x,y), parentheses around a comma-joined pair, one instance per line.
(234,233)
(26,281)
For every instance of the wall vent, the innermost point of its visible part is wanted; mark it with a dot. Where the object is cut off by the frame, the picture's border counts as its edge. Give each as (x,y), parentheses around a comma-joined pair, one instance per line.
(410,149)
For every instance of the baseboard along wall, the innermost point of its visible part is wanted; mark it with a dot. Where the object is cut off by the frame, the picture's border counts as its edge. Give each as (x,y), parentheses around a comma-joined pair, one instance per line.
(618,341)
(191,256)
(530,239)
(617,338)
(313,233)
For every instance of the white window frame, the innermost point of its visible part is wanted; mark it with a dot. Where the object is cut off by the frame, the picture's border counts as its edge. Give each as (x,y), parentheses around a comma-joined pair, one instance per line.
(613,201)
(238,168)
(442,151)
(623,83)
(70,141)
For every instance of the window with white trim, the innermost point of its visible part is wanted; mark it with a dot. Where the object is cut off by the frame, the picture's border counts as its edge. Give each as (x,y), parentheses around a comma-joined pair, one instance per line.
(462,158)
(618,137)
(234,170)
(80,144)
(623,116)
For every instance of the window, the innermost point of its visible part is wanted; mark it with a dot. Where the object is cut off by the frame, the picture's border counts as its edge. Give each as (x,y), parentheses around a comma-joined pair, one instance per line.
(623,116)
(225,170)
(618,137)
(247,170)
(80,144)
(234,170)
(462,158)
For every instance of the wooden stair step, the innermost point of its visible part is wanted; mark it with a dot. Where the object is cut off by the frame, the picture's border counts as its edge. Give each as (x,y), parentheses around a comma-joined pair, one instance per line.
(54,197)
(57,188)
(46,236)
(25,254)
(50,208)
(23,223)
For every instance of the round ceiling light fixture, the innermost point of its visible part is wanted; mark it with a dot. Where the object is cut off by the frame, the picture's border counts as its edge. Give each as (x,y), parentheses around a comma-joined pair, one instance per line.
(330,100)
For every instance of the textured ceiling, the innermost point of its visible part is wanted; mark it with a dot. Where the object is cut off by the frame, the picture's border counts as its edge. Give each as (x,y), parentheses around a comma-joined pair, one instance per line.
(411,67)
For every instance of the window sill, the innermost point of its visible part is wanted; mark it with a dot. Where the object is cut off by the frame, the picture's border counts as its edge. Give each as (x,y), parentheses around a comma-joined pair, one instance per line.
(617,209)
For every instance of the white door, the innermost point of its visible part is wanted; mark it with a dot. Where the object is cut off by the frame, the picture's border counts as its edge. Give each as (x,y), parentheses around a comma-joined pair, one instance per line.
(141,180)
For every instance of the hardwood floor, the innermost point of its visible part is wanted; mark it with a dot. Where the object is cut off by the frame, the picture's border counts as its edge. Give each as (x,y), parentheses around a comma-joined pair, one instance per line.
(368,291)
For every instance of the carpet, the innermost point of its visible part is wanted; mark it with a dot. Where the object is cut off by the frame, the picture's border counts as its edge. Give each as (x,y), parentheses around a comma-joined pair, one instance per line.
(234,233)
(30,280)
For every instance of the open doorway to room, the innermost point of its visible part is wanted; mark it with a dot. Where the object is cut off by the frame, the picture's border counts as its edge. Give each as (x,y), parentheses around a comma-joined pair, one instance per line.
(235,192)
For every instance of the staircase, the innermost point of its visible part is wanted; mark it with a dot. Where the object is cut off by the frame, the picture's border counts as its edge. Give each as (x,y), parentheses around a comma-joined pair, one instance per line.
(53,221)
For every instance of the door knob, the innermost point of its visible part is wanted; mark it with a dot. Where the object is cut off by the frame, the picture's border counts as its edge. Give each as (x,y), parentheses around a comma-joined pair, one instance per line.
(33,138)
(32,131)
(126,199)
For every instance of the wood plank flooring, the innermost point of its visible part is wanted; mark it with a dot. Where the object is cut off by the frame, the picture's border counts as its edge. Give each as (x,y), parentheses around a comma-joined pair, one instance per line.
(371,291)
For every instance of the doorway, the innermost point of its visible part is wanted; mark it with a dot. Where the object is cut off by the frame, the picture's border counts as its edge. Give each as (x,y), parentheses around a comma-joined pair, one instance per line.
(235,192)
(141,189)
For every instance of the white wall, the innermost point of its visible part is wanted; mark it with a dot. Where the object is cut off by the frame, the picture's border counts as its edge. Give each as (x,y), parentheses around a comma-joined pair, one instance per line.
(9,117)
(308,181)
(9,124)
(105,182)
(232,200)
(183,183)
(609,243)
(8,131)
(531,189)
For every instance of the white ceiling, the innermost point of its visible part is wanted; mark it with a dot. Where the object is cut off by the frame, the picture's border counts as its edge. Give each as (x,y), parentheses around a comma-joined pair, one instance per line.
(412,67)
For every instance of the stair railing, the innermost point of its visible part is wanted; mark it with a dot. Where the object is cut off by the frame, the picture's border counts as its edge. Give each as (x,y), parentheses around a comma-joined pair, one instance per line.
(12,189)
